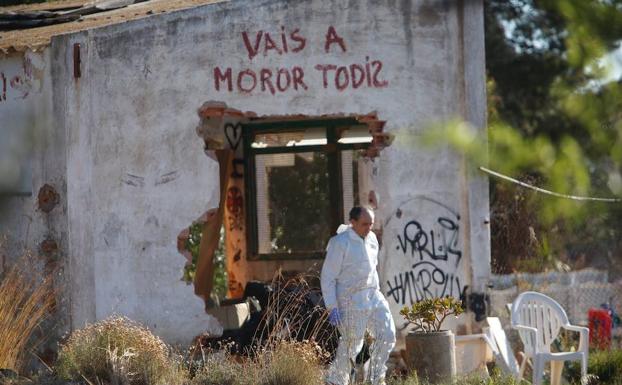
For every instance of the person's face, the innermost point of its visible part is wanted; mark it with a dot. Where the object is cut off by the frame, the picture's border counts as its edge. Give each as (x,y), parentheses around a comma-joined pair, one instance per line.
(363,225)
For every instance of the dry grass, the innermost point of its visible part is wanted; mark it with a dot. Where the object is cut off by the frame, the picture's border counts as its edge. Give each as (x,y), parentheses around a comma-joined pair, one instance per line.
(26,299)
(291,363)
(494,379)
(286,363)
(295,337)
(290,316)
(287,348)
(117,351)
(220,368)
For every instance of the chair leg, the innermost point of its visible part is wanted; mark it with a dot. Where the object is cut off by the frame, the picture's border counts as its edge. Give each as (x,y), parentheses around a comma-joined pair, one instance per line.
(584,369)
(521,370)
(538,370)
(556,372)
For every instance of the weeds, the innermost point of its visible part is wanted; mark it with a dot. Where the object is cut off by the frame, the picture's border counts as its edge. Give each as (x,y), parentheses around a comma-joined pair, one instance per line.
(291,363)
(219,368)
(604,367)
(293,313)
(285,363)
(494,379)
(26,299)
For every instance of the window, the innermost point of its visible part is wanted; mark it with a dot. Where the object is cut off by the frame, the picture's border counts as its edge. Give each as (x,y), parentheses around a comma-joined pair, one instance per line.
(301,181)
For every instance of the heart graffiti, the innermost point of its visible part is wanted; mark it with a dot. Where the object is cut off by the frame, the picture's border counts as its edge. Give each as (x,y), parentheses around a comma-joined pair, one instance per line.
(233,133)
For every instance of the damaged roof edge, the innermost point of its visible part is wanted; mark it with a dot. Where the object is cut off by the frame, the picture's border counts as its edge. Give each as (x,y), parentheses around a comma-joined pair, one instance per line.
(36,39)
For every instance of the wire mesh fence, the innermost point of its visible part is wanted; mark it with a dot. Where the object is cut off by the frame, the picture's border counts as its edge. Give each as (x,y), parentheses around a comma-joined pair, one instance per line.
(575,291)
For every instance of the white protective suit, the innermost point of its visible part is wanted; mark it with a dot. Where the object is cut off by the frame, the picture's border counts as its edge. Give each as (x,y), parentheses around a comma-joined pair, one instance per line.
(350,283)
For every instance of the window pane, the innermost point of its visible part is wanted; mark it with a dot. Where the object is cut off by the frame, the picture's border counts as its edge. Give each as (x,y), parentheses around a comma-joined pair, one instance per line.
(293,203)
(350,185)
(307,137)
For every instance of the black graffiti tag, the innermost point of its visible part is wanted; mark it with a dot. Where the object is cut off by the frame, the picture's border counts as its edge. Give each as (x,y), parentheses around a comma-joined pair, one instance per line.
(424,280)
(418,240)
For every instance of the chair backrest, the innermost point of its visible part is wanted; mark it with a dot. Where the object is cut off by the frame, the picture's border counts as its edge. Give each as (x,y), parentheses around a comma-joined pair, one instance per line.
(502,350)
(541,312)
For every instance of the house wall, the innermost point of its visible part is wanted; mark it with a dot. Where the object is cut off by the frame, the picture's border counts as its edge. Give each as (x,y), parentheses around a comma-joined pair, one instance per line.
(137,176)
(33,205)
(136,171)
(24,85)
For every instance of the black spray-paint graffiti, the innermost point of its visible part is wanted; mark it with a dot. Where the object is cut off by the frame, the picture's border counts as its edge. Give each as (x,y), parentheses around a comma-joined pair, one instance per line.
(424,280)
(417,240)
(436,256)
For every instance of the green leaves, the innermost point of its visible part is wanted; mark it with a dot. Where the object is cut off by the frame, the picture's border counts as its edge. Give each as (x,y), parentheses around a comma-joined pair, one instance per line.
(428,315)
(193,244)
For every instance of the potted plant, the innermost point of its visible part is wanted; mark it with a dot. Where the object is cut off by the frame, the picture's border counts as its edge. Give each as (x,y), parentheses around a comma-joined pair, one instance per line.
(430,351)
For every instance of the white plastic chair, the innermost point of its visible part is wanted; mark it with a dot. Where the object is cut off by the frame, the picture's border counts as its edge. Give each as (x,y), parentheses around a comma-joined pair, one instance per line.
(538,319)
(504,356)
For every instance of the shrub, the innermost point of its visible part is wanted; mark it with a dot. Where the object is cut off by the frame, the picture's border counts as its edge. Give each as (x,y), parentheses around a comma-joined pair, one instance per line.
(606,365)
(26,299)
(428,315)
(117,351)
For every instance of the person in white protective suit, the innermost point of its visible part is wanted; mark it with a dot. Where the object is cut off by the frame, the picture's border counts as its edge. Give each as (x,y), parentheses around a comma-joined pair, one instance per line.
(353,299)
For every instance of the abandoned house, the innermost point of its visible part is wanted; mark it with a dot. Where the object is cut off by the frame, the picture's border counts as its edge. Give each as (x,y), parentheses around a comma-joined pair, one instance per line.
(269,119)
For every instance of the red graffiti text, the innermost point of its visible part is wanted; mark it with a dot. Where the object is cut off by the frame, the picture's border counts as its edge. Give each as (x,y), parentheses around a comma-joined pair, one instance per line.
(266,79)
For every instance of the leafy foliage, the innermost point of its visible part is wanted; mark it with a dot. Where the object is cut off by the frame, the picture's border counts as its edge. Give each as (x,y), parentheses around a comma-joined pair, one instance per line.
(554,122)
(428,315)
(220,271)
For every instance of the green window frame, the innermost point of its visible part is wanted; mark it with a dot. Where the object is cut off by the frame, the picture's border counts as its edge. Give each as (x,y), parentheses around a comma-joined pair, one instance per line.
(333,130)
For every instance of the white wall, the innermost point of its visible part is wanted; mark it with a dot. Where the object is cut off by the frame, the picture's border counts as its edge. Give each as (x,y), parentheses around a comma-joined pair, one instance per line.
(31,138)
(136,172)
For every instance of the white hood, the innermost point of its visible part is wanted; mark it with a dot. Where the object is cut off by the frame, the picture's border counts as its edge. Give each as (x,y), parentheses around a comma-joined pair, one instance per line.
(343,228)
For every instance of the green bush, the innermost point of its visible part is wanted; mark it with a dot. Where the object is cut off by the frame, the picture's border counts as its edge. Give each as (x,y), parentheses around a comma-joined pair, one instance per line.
(117,351)
(606,365)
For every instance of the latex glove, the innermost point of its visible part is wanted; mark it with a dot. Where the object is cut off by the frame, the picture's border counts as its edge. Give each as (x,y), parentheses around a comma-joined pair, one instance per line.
(334,317)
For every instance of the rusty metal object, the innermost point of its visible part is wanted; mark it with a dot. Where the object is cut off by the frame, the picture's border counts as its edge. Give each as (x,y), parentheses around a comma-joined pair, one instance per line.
(48,198)
(77,72)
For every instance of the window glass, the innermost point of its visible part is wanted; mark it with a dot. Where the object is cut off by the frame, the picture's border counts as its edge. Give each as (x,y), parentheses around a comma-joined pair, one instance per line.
(293,203)
(349,181)
(308,137)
